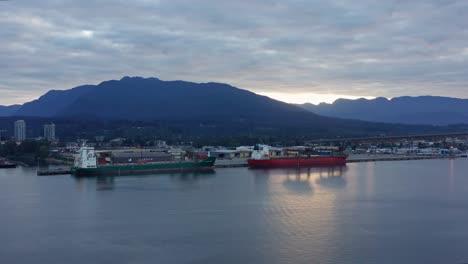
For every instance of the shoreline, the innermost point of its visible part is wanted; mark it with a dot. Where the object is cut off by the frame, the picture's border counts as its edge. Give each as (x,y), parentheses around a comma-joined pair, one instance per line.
(239,163)
(353,158)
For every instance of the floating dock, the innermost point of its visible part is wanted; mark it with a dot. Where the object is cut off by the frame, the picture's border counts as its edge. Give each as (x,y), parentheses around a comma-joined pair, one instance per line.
(64,171)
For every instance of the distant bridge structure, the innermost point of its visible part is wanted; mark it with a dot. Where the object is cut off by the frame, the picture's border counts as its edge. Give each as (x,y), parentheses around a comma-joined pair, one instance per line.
(390,139)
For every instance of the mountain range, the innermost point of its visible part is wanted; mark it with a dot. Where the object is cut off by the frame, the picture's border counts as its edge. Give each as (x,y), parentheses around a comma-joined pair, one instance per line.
(422,110)
(148,99)
(196,108)
(9,110)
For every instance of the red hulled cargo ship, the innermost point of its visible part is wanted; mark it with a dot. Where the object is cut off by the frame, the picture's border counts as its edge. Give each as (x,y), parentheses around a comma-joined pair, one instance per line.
(261,158)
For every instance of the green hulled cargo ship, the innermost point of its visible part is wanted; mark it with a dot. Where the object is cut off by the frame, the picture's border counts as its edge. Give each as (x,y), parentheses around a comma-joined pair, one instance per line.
(86,165)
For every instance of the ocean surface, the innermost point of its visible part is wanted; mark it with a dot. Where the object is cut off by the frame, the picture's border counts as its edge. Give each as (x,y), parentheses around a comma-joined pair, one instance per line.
(376,212)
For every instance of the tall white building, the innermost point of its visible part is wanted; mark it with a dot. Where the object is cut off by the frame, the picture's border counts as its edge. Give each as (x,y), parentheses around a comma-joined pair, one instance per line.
(49,132)
(20,130)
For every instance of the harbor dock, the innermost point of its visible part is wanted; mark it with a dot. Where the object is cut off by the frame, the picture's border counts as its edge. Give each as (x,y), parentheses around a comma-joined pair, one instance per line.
(61,171)
(353,158)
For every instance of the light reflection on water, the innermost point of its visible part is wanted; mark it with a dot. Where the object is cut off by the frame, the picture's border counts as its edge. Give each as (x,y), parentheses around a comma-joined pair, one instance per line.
(301,213)
(413,211)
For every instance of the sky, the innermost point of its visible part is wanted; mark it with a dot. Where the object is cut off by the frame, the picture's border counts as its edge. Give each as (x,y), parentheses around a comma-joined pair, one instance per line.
(295,51)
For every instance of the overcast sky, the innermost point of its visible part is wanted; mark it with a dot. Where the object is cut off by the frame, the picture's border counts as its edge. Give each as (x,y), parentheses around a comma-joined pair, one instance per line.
(292,50)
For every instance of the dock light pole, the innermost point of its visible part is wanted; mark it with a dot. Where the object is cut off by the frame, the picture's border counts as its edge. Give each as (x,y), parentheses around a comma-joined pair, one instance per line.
(1,145)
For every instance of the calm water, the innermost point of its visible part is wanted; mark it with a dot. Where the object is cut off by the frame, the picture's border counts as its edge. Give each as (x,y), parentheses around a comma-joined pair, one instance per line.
(384,212)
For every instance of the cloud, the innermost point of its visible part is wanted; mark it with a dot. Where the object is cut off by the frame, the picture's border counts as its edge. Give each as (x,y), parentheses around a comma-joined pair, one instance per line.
(357,48)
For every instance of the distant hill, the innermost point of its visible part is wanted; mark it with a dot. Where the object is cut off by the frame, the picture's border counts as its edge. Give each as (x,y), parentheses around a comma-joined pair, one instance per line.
(422,110)
(203,109)
(9,110)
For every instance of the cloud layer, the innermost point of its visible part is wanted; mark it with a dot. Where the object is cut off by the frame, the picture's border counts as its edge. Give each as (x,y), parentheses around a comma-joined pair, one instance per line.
(360,48)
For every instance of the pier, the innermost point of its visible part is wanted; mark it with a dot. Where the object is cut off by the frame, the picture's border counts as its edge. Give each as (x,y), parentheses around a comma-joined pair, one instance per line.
(62,171)
(353,158)
(389,157)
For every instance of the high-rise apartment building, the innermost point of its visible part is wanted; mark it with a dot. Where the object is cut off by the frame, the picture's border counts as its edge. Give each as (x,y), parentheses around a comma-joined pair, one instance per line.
(49,132)
(20,130)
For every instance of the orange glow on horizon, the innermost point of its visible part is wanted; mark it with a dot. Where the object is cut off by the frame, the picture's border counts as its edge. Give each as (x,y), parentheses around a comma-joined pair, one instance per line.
(314,98)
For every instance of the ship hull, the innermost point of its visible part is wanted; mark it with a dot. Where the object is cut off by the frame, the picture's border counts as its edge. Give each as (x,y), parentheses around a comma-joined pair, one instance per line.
(137,169)
(297,162)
